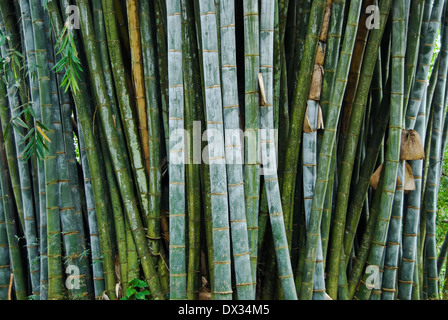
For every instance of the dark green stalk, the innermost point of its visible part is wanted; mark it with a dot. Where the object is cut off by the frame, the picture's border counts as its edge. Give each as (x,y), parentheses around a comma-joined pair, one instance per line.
(152,87)
(20,287)
(4,254)
(190,65)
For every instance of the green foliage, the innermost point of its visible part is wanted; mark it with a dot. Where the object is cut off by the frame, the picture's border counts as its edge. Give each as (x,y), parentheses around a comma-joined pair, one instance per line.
(34,137)
(137,290)
(69,61)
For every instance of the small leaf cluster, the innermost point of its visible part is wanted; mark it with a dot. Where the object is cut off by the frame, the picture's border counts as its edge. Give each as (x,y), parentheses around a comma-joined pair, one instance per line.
(137,290)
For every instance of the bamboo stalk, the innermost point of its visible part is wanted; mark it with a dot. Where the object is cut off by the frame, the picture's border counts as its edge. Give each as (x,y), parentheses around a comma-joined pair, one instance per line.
(216,152)
(178,276)
(235,174)
(251,125)
(267,140)
(438,109)
(138,76)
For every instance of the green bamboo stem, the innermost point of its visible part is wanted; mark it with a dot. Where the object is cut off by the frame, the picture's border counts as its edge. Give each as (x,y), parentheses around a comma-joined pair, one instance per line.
(162,53)
(97,266)
(216,152)
(353,78)
(235,174)
(267,140)
(438,108)
(412,45)
(18,271)
(123,178)
(393,244)
(133,265)
(424,58)
(133,19)
(251,125)
(190,66)
(152,87)
(4,255)
(408,268)
(178,274)
(303,11)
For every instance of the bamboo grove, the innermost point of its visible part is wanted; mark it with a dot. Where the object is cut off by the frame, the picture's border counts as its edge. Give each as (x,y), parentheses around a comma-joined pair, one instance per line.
(121,121)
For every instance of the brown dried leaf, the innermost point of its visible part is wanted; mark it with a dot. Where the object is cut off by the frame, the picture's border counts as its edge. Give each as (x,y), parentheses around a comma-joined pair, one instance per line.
(409,182)
(316,83)
(411,146)
(306,124)
(262,90)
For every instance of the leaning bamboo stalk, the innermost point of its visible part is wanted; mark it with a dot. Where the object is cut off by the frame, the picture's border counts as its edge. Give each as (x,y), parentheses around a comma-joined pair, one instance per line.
(16,263)
(138,76)
(430,199)
(413,44)
(4,255)
(423,65)
(216,151)
(235,174)
(267,140)
(353,77)
(123,178)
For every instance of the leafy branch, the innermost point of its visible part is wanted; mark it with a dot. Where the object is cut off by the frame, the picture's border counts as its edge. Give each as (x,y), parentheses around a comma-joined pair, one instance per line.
(69,61)
(35,136)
